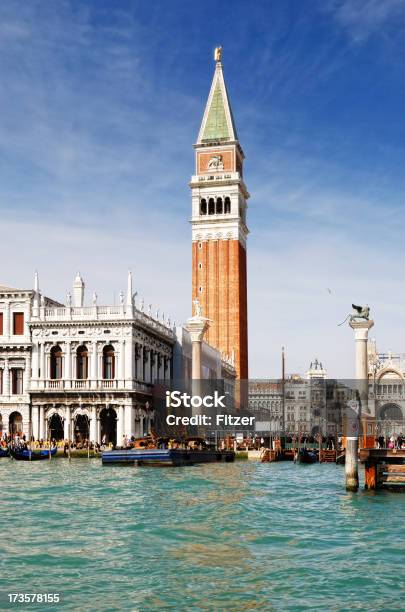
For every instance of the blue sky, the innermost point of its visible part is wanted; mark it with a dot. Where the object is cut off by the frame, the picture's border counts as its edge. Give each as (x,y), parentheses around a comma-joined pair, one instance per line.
(101,102)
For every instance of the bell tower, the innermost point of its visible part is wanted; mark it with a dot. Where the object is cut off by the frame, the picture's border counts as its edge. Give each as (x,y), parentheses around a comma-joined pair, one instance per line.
(219,230)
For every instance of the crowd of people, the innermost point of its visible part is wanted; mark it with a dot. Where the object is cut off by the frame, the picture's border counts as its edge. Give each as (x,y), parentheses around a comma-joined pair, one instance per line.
(19,440)
(391,442)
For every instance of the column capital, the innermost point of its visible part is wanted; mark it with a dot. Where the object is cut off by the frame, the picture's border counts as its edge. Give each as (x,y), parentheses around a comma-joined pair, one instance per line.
(361,328)
(197,326)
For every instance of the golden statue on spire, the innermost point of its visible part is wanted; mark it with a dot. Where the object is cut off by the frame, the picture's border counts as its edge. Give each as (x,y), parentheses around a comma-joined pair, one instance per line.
(218,54)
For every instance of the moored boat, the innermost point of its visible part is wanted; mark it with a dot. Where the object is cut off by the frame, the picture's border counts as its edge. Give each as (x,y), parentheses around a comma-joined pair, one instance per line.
(307,456)
(166,456)
(23,454)
(4,451)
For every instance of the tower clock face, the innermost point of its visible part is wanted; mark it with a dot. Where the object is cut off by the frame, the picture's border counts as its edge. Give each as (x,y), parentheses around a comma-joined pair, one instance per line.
(216,161)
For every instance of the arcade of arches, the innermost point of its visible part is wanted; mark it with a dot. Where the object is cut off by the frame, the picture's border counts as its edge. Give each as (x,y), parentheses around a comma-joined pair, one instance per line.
(104,423)
(81,426)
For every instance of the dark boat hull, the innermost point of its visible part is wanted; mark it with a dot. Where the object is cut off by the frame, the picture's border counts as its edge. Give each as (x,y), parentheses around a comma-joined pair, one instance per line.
(4,452)
(305,456)
(166,457)
(35,455)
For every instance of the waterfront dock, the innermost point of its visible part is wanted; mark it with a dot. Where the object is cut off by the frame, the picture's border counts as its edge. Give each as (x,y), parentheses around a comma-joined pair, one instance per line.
(384,468)
(268,455)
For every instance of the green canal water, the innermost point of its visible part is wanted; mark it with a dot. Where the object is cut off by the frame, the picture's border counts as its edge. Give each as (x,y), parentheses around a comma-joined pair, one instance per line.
(240,536)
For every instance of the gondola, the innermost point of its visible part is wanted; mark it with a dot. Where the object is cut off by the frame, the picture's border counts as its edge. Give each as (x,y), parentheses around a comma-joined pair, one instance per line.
(23,454)
(307,456)
(4,451)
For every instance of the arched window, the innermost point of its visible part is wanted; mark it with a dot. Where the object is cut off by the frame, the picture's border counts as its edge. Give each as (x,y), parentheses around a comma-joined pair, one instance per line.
(56,362)
(108,362)
(55,424)
(82,360)
(15,423)
(227,205)
(211,206)
(108,425)
(203,206)
(219,206)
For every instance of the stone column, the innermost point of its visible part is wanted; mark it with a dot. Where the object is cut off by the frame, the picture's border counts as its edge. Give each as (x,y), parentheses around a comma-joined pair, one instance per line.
(122,363)
(42,422)
(67,424)
(129,420)
(35,422)
(42,363)
(93,424)
(68,365)
(34,365)
(93,375)
(98,431)
(196,326)
(361,329)
(120,425)
(152,361)
(141,431)
(27,373)
(353,419)
(140,371)
(167,366)
(135,360)
(7,326)
(47,365)
(6,378)
(137,431)
(129,361)
(146,364)
(160,366)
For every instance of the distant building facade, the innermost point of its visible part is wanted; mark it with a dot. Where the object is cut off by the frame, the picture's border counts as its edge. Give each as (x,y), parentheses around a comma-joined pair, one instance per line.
(307,405)
(386,373)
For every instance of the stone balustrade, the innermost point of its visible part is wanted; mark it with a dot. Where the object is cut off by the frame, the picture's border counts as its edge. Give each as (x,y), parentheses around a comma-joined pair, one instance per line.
(90,385)
(103,313)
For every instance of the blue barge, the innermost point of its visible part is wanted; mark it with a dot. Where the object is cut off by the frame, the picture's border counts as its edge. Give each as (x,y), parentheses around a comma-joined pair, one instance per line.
(166,457)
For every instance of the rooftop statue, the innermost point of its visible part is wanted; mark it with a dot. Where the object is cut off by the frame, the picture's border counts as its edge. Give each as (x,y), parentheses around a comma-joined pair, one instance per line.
(218,54)
(197,307)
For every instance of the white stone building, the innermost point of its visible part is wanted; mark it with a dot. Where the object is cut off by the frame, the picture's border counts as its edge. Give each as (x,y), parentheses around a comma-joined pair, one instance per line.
(15,356)
(87,372)
(79,372)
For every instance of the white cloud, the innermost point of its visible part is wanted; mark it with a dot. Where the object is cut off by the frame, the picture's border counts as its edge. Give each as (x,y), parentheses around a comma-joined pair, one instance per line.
(362,18)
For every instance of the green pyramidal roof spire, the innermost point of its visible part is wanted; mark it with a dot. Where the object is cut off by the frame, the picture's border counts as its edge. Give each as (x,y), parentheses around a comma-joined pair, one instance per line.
(217,124)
